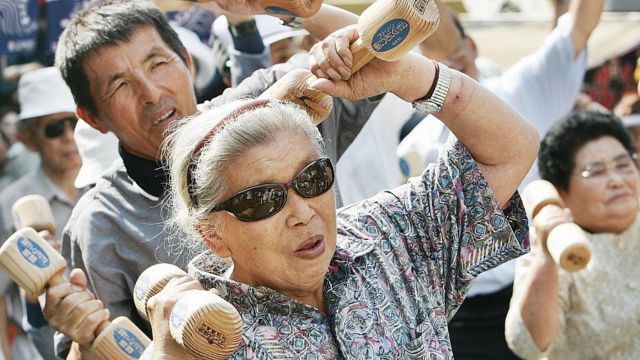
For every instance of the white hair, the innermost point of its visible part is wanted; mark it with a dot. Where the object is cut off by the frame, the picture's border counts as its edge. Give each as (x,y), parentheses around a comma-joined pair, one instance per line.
(240,133)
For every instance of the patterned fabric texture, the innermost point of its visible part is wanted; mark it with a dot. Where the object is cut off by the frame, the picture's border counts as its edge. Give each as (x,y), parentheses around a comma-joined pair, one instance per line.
(403,263)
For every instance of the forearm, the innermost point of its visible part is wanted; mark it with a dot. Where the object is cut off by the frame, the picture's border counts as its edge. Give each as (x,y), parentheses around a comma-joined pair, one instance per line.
(503,143)
(586,16)
(327,20)
(538,301)
(444,41)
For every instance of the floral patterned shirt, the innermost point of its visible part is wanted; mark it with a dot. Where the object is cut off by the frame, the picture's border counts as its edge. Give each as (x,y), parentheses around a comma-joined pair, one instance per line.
(403,263)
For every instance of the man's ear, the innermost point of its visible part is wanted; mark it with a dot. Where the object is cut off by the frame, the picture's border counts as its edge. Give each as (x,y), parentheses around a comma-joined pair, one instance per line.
(91,119)
(213,240)
(472,45)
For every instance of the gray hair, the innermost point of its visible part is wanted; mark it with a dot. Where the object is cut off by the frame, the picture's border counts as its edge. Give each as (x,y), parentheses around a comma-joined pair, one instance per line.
(258,126)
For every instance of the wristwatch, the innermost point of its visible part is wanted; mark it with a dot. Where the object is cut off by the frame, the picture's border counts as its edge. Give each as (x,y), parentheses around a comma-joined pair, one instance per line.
(434,100)
(243,28)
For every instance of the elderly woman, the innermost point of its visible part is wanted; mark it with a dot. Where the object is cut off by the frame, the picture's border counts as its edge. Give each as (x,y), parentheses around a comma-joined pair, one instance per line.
(378,279)
(593,314)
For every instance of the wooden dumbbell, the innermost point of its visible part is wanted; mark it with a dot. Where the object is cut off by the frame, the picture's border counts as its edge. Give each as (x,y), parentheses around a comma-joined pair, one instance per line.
(33,211)
(388,30)
(201,322)
(34,265)
(567,243)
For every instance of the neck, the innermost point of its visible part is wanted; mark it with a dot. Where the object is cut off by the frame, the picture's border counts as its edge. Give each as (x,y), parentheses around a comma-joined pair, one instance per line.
(63,180)
(313,298)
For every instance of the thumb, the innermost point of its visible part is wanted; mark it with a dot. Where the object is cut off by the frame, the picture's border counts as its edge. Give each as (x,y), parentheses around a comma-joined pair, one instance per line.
(77,277)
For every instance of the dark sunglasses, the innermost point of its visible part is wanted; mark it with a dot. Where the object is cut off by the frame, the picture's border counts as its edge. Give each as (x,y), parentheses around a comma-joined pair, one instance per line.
(265,200)
(55,129)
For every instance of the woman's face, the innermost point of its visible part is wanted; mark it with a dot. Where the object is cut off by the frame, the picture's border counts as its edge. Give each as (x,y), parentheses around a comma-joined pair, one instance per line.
(291,250)
(603,186)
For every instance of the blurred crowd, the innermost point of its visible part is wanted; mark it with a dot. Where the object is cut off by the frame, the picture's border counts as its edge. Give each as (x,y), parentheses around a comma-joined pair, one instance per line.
(61,144)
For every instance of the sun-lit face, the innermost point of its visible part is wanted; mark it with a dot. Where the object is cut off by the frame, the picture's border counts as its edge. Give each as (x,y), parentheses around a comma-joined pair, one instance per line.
(59,153)
(291,250)
(464,58)
(605,199)
(139,87)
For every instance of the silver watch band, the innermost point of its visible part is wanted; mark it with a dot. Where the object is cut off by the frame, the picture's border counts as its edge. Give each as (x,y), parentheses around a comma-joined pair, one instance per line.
(442,87)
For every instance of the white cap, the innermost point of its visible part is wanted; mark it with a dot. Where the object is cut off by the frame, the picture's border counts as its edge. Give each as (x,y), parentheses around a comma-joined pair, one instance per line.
(270,28)
(43,92)
(201,53)
(98,151)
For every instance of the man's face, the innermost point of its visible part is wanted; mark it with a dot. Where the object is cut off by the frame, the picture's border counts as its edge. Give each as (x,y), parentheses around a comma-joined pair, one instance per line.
(464,58)
(139,88)
(282,50)
(52,137)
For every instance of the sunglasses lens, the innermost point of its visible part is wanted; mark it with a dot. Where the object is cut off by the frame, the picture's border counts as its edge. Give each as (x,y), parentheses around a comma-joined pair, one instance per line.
(315,179)
(262,201)
(56,128)
(258,203)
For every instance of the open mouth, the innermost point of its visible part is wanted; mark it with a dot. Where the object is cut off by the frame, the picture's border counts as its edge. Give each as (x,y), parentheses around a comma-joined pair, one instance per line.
(166,116)
(311,248)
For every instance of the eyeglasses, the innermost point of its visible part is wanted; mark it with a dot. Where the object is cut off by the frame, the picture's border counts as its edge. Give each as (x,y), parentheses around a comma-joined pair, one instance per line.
(265,200)
(622,165)
(56,129)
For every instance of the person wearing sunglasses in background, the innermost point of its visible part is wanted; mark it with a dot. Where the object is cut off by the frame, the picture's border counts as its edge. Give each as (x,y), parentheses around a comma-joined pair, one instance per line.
(46,124)
(377,279)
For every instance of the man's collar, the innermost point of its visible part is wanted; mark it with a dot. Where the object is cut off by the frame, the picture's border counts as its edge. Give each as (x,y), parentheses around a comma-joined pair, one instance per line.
(148,174)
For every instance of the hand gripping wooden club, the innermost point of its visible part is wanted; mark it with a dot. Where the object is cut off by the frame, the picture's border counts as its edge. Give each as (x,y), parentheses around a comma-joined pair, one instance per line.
(205,325)
(567,243)
(292,8)
(388,30)
(285,8)
(33,264)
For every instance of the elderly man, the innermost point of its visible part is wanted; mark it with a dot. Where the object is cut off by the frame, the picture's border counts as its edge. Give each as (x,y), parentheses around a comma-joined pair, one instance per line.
(130,75)
(46,123)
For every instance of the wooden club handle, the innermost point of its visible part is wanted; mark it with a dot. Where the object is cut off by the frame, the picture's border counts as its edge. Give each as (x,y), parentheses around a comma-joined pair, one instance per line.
(567,243)
(208,327)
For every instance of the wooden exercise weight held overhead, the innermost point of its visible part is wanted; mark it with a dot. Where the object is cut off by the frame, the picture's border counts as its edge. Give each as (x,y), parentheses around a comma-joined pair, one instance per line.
(567,243)
(33,264)
(205,325)
(33,211)
(390,29)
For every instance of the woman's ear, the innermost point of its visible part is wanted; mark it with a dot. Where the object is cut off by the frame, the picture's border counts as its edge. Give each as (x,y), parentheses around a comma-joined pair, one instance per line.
(212,239)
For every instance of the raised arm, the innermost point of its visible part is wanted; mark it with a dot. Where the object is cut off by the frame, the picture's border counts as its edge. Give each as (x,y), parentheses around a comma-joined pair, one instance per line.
(503,144)
(586,16)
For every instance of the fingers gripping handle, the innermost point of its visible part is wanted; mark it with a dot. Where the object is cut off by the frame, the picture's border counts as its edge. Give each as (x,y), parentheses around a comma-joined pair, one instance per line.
(202,322)
(567,243)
